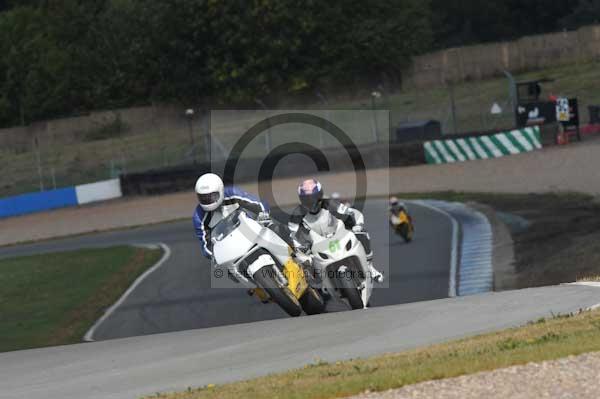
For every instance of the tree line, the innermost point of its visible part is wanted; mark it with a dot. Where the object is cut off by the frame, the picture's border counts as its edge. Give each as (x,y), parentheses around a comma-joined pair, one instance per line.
(64,57)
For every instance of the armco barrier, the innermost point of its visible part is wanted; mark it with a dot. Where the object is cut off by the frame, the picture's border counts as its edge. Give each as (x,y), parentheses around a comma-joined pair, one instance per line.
(59,198)
(36,202)
(483,147)
(375,156)
(180,178)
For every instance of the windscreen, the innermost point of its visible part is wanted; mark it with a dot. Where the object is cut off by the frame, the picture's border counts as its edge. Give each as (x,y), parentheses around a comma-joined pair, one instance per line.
(226,226)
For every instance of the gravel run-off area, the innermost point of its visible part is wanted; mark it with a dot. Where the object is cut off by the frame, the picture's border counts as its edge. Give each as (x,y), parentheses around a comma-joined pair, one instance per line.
(573,377)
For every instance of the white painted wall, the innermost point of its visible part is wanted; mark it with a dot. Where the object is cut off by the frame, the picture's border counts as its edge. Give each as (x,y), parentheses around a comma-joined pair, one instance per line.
(98,191)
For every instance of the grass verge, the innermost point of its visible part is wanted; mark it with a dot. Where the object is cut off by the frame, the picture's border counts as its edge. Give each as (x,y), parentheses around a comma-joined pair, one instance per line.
(52,299)
(539,341)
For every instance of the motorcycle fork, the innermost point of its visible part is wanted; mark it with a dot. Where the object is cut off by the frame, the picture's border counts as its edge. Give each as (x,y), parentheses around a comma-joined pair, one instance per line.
(279,276)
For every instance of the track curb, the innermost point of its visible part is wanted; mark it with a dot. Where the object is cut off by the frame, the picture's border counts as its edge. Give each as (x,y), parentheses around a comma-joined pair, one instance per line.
(89,335)
(456,232)
(474,268)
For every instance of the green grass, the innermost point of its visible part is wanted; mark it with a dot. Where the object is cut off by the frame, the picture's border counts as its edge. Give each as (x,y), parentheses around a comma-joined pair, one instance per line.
(52,299)
(538,341)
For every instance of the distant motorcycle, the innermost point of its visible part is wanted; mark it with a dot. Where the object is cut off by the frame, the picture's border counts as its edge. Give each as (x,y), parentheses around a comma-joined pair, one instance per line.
(402,223)
(256,257)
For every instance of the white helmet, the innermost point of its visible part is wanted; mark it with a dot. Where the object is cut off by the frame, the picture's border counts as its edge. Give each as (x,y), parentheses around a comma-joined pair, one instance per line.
(209,188)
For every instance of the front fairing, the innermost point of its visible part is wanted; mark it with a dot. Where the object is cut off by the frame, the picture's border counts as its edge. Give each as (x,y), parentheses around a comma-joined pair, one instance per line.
(399,218)
(232,247)
(248,233)
(342,244)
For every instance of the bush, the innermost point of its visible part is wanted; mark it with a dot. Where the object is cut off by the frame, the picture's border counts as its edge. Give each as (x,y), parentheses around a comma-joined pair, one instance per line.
(115,128)
(71,56)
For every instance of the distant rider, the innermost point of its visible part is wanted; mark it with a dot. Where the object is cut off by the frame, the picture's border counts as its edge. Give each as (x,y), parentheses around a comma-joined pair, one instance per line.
(312,204)
(216,202)
(337,197)
(396,206)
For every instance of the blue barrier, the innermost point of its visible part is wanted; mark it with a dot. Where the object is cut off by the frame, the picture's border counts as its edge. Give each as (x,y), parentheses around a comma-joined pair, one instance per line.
(36,202)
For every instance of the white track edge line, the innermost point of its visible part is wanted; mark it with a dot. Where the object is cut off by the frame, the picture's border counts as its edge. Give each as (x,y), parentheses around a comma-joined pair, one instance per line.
(587,284)
(89,335)
(454,251)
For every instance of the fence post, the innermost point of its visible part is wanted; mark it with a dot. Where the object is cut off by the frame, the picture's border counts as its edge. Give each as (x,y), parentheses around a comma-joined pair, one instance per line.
(512,93)
(189,113)
(36,146)
(453,107)
(375,95)
(207,136)
(327,117)
(53,177)
(268,133)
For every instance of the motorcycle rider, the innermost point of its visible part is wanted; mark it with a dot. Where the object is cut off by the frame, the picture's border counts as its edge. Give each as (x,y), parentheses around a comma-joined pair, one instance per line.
(215,201)
(312,204)
(396,206)
(337,197)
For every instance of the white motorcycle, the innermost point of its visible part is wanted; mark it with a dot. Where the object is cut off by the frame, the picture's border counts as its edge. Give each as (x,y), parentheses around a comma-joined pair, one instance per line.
(256,257)
(340,261)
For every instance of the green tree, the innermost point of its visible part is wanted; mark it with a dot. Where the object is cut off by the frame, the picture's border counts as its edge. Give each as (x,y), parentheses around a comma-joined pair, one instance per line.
(587,12)
(462,22)
(30,69)
(363,38)
(63,57)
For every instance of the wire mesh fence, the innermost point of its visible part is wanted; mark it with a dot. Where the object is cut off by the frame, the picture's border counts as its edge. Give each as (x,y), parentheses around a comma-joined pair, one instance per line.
(103,145)
(477,105)
(80,150)
(62,153)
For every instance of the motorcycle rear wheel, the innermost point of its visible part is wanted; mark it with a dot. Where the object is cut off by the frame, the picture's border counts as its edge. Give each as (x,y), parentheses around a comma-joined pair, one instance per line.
(280,295)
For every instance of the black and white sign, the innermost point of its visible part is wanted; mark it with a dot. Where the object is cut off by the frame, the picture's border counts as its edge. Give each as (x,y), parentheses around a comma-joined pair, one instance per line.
(563,113)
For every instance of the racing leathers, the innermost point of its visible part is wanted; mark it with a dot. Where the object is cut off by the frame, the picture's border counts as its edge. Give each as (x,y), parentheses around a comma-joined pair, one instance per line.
(396,208)
(352,218)
(233,198)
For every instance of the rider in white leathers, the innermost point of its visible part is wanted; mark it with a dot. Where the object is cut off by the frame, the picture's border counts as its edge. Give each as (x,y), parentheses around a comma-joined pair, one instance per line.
(311,211)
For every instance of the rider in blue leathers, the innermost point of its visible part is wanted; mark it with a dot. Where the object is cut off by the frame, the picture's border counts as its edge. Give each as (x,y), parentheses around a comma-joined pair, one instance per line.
(217,201)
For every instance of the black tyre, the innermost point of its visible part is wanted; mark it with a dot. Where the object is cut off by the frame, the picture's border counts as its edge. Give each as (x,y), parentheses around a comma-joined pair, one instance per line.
(280,295)
(312,302)
(348,289)
(406,232)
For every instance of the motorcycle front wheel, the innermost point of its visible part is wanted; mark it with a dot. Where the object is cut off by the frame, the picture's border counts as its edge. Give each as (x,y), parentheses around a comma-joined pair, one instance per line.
(280,295)
(406,231)
(312,302)
(348,289)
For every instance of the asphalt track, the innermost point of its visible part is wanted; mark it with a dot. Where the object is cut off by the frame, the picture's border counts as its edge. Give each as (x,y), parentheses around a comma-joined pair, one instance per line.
(178,296)
(175,297)
(131,367)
